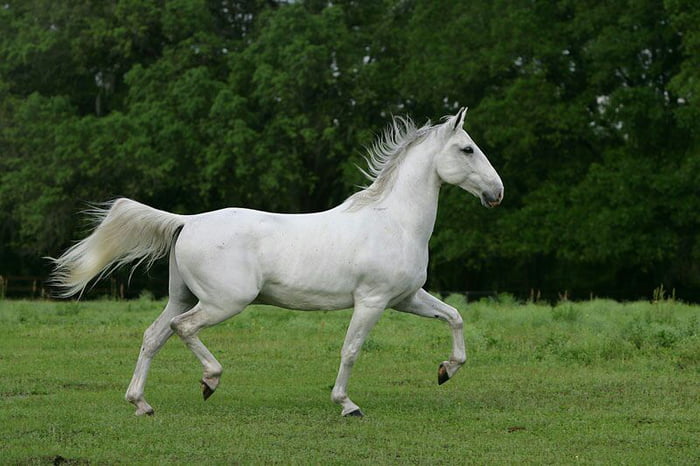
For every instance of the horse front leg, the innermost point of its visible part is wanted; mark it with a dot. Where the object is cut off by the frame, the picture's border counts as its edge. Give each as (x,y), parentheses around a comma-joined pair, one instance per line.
(424,304)
(363,319)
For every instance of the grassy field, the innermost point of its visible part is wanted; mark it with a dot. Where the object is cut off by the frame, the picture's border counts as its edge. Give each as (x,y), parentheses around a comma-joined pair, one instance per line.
(594,382)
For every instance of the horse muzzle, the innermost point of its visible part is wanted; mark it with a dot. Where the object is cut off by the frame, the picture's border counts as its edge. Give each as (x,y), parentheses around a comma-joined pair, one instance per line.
(492,198)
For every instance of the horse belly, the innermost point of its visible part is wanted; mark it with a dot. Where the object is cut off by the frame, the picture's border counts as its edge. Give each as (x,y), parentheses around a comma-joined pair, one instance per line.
(305,300)
(308,281)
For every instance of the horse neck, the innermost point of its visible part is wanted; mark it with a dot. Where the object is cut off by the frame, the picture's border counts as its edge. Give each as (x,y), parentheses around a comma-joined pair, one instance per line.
(413,197)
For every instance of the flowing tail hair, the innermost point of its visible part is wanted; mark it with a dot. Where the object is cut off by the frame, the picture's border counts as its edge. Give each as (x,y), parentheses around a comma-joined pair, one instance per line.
(127,231)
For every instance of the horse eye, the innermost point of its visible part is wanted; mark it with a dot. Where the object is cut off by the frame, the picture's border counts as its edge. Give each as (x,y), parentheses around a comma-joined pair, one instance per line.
(468,150)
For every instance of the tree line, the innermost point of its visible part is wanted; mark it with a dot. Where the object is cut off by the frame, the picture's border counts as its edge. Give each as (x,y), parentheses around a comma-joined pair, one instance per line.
(588,109)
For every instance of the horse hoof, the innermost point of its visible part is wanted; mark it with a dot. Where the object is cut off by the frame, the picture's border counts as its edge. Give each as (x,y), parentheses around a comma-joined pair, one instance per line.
(207,391)
(442,374)
(147,412)
(356,413)
(142,408)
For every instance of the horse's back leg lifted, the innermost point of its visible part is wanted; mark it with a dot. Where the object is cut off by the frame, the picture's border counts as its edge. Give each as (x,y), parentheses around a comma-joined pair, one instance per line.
(224,280)
(189,324)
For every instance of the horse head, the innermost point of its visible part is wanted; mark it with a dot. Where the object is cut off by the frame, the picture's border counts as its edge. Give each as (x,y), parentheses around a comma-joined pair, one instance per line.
(461,162)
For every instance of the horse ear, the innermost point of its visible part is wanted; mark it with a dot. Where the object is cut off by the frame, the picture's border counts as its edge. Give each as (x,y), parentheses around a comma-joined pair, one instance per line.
(459,118)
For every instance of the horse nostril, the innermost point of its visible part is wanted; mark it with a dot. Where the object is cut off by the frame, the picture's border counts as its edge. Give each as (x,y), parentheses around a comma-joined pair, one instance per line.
(492,200)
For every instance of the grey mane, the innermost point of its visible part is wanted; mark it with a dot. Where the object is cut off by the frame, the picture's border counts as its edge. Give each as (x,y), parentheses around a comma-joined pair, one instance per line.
(385,155)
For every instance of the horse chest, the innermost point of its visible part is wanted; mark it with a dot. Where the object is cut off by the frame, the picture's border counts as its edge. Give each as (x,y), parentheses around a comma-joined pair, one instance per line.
(402,262)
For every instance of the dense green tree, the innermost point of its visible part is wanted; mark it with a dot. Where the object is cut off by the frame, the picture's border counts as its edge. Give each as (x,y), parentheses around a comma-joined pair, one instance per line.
(579,111)
(588,109)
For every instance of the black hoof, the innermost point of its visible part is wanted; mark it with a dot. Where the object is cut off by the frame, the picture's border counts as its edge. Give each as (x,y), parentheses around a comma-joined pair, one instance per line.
(356,413)
(442,374)
(206,391)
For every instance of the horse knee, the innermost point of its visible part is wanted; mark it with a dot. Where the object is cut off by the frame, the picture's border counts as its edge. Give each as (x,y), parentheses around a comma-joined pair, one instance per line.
(182,327)
(455,320)
(152,337)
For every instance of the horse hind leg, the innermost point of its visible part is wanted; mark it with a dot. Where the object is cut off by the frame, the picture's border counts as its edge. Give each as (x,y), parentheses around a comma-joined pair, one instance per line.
(154,338)
(180,300)
(189,324)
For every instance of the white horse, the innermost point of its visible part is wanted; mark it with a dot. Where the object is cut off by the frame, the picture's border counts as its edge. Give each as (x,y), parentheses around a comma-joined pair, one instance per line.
(369,253)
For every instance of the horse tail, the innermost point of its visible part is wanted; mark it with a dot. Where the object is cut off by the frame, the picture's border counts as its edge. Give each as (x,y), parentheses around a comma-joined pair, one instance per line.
(126,231)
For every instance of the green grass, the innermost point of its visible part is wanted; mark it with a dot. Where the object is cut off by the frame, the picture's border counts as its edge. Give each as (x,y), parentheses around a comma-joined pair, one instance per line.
(595,382)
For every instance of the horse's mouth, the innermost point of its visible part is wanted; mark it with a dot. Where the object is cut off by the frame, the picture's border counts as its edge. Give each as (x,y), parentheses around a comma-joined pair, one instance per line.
(490,203)
(490,200)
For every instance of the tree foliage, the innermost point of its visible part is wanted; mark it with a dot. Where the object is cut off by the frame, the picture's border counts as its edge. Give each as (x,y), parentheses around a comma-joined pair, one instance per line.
(588,109)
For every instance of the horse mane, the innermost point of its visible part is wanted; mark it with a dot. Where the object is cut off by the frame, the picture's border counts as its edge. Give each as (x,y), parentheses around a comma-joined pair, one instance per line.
(384,157)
